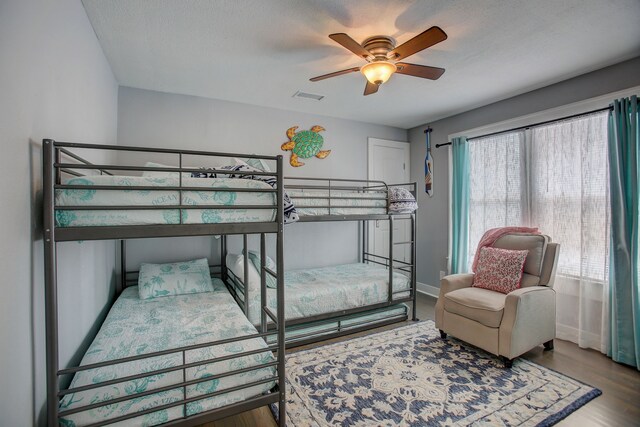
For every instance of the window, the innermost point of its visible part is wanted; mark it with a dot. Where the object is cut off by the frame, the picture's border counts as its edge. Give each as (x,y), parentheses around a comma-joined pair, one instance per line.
(554,177)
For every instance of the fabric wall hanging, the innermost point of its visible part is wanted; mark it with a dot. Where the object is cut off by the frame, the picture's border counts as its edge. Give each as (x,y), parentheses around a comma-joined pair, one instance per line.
(304,145)
(428,166)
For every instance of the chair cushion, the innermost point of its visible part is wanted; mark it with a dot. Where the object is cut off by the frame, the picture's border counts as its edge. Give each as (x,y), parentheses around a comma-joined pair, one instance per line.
(499,270)
(482,305)
(536,244)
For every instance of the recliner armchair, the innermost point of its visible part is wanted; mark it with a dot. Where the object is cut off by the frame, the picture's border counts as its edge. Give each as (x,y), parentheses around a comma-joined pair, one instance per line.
(505,325)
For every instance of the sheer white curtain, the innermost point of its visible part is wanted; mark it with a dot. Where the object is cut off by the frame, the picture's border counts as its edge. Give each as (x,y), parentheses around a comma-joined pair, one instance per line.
(496,189)
(570,202)
(554,177)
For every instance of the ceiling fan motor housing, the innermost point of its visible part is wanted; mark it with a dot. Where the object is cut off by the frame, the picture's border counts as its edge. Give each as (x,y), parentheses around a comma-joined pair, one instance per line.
(379,46)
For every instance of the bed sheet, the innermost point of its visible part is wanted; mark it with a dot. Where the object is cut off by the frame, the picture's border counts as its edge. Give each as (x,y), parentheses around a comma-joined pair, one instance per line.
(310,292)
(135,326)
(357,203)
(135,197)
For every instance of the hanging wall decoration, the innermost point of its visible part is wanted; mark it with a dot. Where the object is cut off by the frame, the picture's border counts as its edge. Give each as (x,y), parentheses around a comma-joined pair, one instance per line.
(428,166)
(304,145)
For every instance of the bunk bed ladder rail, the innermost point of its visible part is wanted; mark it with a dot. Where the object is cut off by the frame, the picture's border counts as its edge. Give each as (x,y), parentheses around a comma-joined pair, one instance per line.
(50,280)
(282,412)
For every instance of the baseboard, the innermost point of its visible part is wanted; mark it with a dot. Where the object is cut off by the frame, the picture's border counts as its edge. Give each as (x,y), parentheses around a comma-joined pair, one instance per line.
(430,290)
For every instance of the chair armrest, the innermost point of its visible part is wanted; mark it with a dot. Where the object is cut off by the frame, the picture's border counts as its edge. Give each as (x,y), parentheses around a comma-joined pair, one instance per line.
(454,282)
(529,320)
(448,284)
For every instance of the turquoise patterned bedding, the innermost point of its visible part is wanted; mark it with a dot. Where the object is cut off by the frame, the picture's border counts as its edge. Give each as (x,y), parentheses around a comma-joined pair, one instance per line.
(358,203)
(133,197)
(135,326)
(316,291)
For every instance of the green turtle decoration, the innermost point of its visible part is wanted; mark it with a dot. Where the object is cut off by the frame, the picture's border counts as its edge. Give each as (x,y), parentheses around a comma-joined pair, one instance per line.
(304,144)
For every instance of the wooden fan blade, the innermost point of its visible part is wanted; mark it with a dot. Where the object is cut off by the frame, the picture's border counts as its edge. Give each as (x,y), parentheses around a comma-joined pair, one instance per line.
(337,73)
(420,42)
(370,88)
(432,73)
(349,43)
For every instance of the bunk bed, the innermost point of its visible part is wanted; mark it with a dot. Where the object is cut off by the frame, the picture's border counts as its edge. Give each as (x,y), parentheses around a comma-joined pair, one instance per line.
(226,365)
(327,302)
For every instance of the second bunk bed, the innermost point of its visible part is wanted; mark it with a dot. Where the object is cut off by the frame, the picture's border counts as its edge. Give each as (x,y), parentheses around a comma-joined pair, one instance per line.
(331,301)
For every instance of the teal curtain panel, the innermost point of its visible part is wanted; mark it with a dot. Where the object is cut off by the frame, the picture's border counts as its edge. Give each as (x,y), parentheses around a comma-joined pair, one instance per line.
(460,205)
(624,341)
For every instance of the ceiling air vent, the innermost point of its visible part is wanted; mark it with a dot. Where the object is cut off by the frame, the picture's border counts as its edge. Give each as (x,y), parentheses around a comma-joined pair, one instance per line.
(300,94)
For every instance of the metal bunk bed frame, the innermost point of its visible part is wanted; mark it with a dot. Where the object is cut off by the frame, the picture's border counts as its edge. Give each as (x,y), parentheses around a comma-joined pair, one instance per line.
(240,291)
(53,167)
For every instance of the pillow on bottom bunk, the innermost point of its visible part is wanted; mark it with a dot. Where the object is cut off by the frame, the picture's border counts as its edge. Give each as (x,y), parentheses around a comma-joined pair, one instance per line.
(254,257)
(160,280)
(235,263)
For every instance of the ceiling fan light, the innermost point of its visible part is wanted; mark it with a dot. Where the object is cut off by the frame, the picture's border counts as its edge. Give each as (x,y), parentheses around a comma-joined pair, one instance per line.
(378,72)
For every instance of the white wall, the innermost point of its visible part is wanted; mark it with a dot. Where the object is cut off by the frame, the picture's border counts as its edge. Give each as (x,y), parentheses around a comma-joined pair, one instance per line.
(54,83)
(155,119)
(434,212)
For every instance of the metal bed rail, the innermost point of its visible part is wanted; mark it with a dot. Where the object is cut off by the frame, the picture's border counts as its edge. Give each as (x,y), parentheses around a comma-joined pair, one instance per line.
(181,206)
(331,194)
(53,168)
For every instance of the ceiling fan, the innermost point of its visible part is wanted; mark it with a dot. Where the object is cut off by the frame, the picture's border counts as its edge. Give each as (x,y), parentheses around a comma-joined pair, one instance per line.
(382,55)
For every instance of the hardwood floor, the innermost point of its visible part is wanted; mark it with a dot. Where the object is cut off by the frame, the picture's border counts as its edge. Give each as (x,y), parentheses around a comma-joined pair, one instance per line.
(619,404)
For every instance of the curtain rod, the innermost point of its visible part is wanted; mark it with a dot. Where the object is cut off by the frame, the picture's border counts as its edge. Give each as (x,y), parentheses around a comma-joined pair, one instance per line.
(532,125)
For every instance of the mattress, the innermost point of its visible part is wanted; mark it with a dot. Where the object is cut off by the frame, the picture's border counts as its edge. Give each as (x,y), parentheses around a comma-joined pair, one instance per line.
(310,292)
(135,326)
(342,202)
(163,198)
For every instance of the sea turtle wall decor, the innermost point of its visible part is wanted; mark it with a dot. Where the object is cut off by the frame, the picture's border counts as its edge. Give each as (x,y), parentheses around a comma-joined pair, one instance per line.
(304,144)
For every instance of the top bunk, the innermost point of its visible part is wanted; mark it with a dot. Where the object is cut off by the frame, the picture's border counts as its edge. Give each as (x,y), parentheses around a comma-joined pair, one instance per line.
(124,196)
(127,192)
(331,199)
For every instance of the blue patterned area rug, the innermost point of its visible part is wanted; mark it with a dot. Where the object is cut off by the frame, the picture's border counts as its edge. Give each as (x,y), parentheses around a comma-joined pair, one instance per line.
(409,376)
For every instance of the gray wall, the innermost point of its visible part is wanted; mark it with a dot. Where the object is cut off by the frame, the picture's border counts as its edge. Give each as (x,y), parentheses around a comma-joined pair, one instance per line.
(54,82)
(434,212)
(147,118)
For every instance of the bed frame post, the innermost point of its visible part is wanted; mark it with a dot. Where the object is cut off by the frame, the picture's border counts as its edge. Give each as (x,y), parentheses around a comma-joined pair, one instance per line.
(123,267)
(50,282)
(245,252)
(364,230)
(263,284)
(390,299)
(282,410)
(414,261)
(223,256)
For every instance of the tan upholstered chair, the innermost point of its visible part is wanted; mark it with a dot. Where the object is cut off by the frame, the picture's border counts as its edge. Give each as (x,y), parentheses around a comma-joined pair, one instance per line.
(505,325)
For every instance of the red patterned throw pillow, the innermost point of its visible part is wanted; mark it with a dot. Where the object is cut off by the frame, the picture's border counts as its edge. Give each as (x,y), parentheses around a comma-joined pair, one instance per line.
(499,270)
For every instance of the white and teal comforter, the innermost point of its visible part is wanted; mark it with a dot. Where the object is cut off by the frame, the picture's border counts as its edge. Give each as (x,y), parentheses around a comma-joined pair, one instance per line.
(135,326)
(357,203)
(134,197)
(310,292)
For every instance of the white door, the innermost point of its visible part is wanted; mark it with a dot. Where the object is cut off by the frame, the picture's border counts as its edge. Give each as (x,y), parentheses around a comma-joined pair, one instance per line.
(389,162)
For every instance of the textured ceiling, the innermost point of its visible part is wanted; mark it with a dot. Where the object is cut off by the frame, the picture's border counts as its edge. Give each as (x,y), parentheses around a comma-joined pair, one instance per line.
(262,51)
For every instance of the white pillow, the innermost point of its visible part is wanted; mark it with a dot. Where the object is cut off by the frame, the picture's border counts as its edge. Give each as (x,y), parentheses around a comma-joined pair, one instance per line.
(255,163)
(259,164)
(235,263)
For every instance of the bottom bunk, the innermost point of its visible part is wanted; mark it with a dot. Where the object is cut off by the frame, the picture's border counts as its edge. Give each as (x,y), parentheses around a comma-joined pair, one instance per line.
(324,300)
(134,327)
